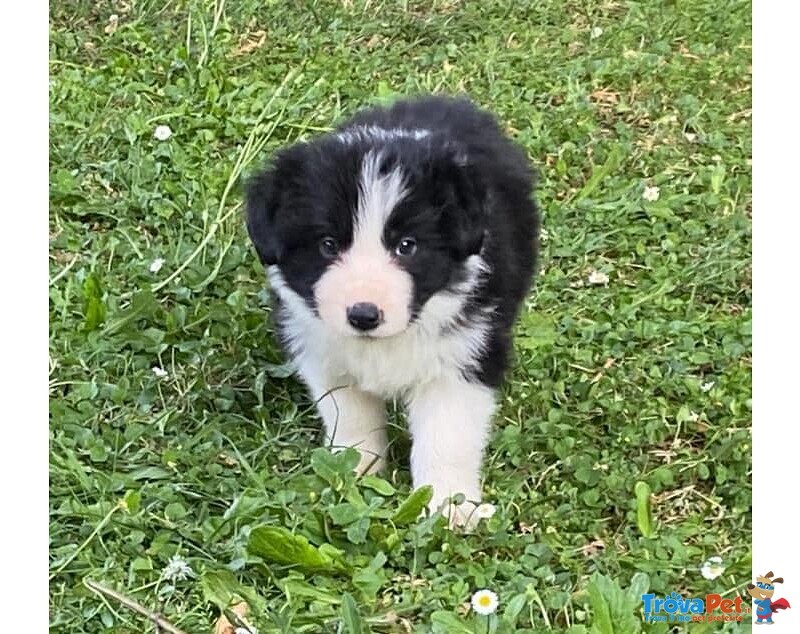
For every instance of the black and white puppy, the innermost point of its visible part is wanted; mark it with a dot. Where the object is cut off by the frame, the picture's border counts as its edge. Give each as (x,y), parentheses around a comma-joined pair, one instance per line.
(399,249)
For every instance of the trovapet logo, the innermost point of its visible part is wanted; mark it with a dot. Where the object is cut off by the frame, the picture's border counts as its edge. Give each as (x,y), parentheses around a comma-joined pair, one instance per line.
(676,609)
(762,591)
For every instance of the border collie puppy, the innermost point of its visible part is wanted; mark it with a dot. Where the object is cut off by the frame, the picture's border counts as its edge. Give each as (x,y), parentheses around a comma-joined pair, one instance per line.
(399,249)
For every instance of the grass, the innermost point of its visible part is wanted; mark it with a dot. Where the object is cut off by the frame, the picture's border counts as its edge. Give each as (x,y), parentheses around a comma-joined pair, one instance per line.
(620,459)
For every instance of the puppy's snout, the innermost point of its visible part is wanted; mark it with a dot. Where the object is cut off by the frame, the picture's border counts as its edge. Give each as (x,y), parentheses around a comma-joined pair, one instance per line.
(364,316)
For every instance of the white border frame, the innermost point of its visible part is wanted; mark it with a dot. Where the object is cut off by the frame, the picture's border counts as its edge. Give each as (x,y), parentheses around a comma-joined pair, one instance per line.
(776,230)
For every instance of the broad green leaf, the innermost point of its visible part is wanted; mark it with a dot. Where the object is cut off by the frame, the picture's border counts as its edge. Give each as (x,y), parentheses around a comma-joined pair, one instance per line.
(132,501)
(354,497)
(142,304)
(278,545)
(717,177)
(379,485)
(175,511)
(514,608)
(352,619)
(448,623)
(331,466)
(294,588)
(536,331)
(643,511)
(410,509)
(344,514)
(600,173)
(357,531)
(614,610)
(94,310)
(640,584)
(369,583)
(283,371)
(151,473)
(222,588)
(219,587)
(601,613)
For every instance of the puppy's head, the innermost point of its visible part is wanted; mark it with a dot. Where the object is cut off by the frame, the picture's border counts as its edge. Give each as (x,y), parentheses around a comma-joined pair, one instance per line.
(366,234)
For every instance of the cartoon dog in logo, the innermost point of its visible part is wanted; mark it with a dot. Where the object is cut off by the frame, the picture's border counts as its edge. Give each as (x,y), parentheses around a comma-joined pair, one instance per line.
(762,592)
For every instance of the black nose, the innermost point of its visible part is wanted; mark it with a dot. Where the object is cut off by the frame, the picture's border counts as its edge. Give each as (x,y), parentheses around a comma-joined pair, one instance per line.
(364,316)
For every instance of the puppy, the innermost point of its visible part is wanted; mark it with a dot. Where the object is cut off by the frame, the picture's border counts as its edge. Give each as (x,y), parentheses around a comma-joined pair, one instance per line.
(399,249)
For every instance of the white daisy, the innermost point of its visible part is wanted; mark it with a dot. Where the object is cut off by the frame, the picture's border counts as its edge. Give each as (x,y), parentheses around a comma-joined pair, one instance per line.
(485,511)
(712,568)
(598,278)
(596,32)
(485,602)
(162,132)
(651,194)
(155,265)
(177,569)
(160,373)
(113,24)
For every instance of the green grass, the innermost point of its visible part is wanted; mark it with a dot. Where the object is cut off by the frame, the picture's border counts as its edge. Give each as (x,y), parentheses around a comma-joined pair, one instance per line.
(611,382)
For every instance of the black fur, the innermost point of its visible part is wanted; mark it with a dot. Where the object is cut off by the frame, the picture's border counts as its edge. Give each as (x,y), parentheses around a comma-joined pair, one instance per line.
(470,190)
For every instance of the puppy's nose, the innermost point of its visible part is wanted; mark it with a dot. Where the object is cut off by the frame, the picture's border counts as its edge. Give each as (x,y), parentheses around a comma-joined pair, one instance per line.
(364,316)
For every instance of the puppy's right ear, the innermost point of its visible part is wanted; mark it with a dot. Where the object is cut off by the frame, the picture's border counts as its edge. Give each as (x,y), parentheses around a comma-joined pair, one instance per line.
(262,199)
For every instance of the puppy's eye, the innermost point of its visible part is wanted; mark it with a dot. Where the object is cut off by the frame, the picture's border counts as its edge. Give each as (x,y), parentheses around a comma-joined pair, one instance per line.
(328,247)
(406,247)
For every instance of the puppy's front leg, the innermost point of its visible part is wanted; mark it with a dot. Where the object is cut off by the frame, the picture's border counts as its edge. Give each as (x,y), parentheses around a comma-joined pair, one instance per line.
(352,418)
(449,420)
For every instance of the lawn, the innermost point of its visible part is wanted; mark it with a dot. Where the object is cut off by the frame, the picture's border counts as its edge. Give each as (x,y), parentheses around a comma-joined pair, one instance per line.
(184,468)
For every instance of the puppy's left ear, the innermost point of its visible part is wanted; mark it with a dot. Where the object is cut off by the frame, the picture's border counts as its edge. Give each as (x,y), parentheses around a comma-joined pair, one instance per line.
(461,195)
(262,200)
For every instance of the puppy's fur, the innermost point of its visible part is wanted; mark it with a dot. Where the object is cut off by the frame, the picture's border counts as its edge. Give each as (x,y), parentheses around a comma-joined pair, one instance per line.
(399,249)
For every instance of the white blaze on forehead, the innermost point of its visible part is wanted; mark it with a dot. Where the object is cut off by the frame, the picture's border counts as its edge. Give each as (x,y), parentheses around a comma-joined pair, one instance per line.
(367,272)
(378,195)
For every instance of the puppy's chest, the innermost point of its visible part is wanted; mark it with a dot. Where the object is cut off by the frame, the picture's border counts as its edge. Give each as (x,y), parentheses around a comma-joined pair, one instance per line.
(392,367)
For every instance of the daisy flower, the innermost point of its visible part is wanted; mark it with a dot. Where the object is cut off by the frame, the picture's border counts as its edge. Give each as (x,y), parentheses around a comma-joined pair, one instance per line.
(485,511)
(177,569)
(651,194)
(162,132)
(712,568)
(598,278)
(155,265)
(484,602)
